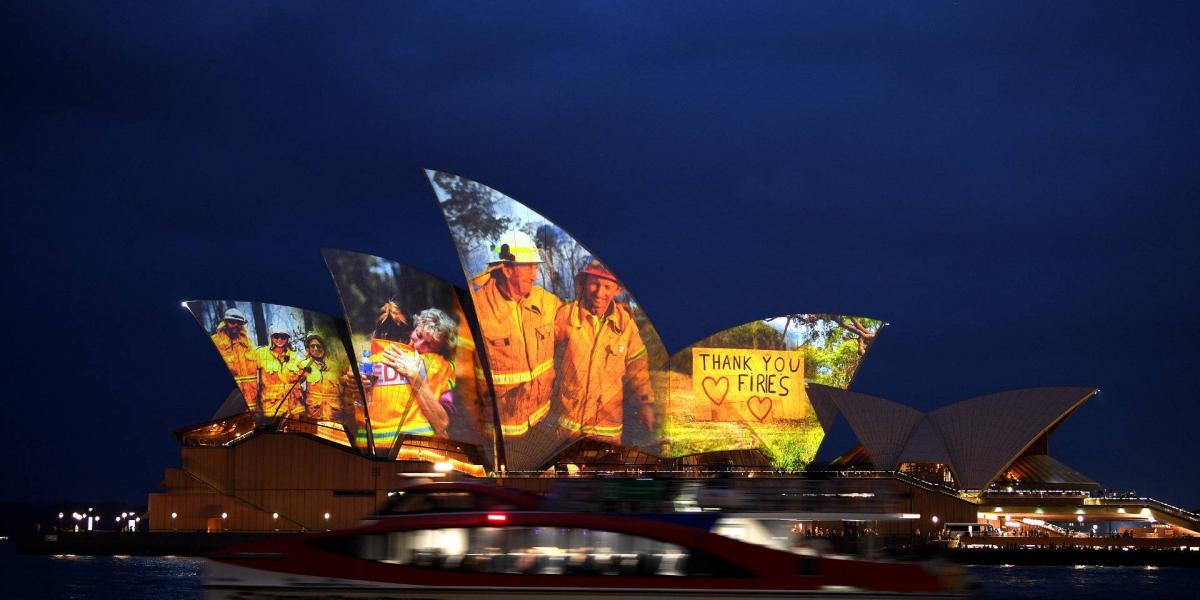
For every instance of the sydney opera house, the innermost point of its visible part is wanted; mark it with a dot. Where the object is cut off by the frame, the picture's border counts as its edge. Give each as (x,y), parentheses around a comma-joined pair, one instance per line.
(544,373)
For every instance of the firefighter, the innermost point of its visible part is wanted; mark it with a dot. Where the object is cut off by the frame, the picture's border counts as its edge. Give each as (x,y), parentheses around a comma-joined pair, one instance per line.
(237,351)
(279,370)
(411,391)
(322,382)
(602,363)
(516,318)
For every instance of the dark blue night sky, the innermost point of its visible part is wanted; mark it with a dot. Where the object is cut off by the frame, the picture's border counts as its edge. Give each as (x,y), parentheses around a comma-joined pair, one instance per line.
(1012,187)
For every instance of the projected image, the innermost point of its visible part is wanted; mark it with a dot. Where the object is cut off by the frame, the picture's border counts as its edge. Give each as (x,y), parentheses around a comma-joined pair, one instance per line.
(569,349)
(288,363)
(416,355)
(744,387)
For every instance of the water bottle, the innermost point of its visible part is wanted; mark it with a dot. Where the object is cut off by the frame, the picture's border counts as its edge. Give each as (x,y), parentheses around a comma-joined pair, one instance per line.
(365,366)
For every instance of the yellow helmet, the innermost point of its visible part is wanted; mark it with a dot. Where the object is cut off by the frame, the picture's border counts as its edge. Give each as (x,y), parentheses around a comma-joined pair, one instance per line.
(516,247)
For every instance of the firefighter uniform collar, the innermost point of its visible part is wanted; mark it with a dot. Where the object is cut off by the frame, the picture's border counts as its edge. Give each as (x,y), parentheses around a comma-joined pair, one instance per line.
(617,317)
(532,302)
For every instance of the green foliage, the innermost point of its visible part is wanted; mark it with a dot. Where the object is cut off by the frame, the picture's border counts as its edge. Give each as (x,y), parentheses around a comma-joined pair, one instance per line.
(470,210)
(755,335)
(792,449)
(834,365)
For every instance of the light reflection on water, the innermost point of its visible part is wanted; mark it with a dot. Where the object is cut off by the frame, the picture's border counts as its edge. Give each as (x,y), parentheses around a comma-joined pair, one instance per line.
(1086,581)
(100,577)
(138,577)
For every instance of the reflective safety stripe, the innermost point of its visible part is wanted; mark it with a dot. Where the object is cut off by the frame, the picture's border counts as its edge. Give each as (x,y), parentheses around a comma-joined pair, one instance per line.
(245,378)
(522,376)
(635,355)
(612,431)
(426,430)
(534,419)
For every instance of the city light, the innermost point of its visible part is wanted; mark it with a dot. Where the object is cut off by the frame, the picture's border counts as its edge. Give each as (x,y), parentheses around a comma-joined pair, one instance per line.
(274,515)
(497,518)
(224,515)
(934,518)
(443,467)
(326,516)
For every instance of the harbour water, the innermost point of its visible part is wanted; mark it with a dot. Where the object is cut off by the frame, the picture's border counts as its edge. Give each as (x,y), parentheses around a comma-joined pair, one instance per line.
(138,577)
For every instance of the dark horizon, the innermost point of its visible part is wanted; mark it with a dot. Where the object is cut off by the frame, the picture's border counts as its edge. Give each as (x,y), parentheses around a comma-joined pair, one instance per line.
(1011,188)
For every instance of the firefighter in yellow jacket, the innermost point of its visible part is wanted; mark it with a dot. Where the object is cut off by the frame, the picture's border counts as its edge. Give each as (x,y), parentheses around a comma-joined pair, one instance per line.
(516,318)
(237,351)
(602,363)
(412,385)
(279,371)
(322,382)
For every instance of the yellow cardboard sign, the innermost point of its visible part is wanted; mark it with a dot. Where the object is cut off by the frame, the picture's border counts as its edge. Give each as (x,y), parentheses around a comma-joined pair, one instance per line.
(755,386)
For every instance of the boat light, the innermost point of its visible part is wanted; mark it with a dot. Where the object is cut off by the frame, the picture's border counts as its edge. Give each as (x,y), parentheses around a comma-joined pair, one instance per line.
(497,518)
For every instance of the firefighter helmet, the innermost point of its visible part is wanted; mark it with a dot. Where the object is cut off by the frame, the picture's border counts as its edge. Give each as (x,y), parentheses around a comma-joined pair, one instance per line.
(234,315)
(598,269)
(278,328)
(516,247)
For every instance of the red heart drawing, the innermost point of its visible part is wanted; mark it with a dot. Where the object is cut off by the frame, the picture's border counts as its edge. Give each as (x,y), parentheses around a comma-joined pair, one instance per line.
(711,384)
(755,404)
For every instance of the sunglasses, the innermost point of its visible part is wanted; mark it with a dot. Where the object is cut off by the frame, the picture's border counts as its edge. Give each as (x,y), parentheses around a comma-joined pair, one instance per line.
(315,346)
(280,336)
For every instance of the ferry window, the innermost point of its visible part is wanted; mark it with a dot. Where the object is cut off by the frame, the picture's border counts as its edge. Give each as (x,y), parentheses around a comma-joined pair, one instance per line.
(541,551)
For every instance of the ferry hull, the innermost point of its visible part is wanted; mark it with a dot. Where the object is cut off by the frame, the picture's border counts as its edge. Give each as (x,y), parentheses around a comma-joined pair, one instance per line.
(230,582)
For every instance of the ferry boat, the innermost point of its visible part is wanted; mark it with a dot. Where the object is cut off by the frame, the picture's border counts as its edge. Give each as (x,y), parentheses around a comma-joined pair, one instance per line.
(437,543)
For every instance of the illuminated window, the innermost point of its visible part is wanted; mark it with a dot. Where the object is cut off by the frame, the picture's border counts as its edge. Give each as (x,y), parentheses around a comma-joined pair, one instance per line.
(536,550)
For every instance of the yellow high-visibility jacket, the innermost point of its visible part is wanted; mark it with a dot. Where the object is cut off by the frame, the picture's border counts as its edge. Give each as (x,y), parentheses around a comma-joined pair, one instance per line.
(392,408)
(519,346)
(239,358)
(600,360)
(322,389)
(279,373)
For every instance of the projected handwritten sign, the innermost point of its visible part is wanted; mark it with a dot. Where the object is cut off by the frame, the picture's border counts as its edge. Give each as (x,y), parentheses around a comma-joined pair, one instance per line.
(750,385)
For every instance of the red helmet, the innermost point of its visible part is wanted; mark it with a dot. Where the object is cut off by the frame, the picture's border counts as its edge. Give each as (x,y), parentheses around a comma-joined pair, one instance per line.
(598,269)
